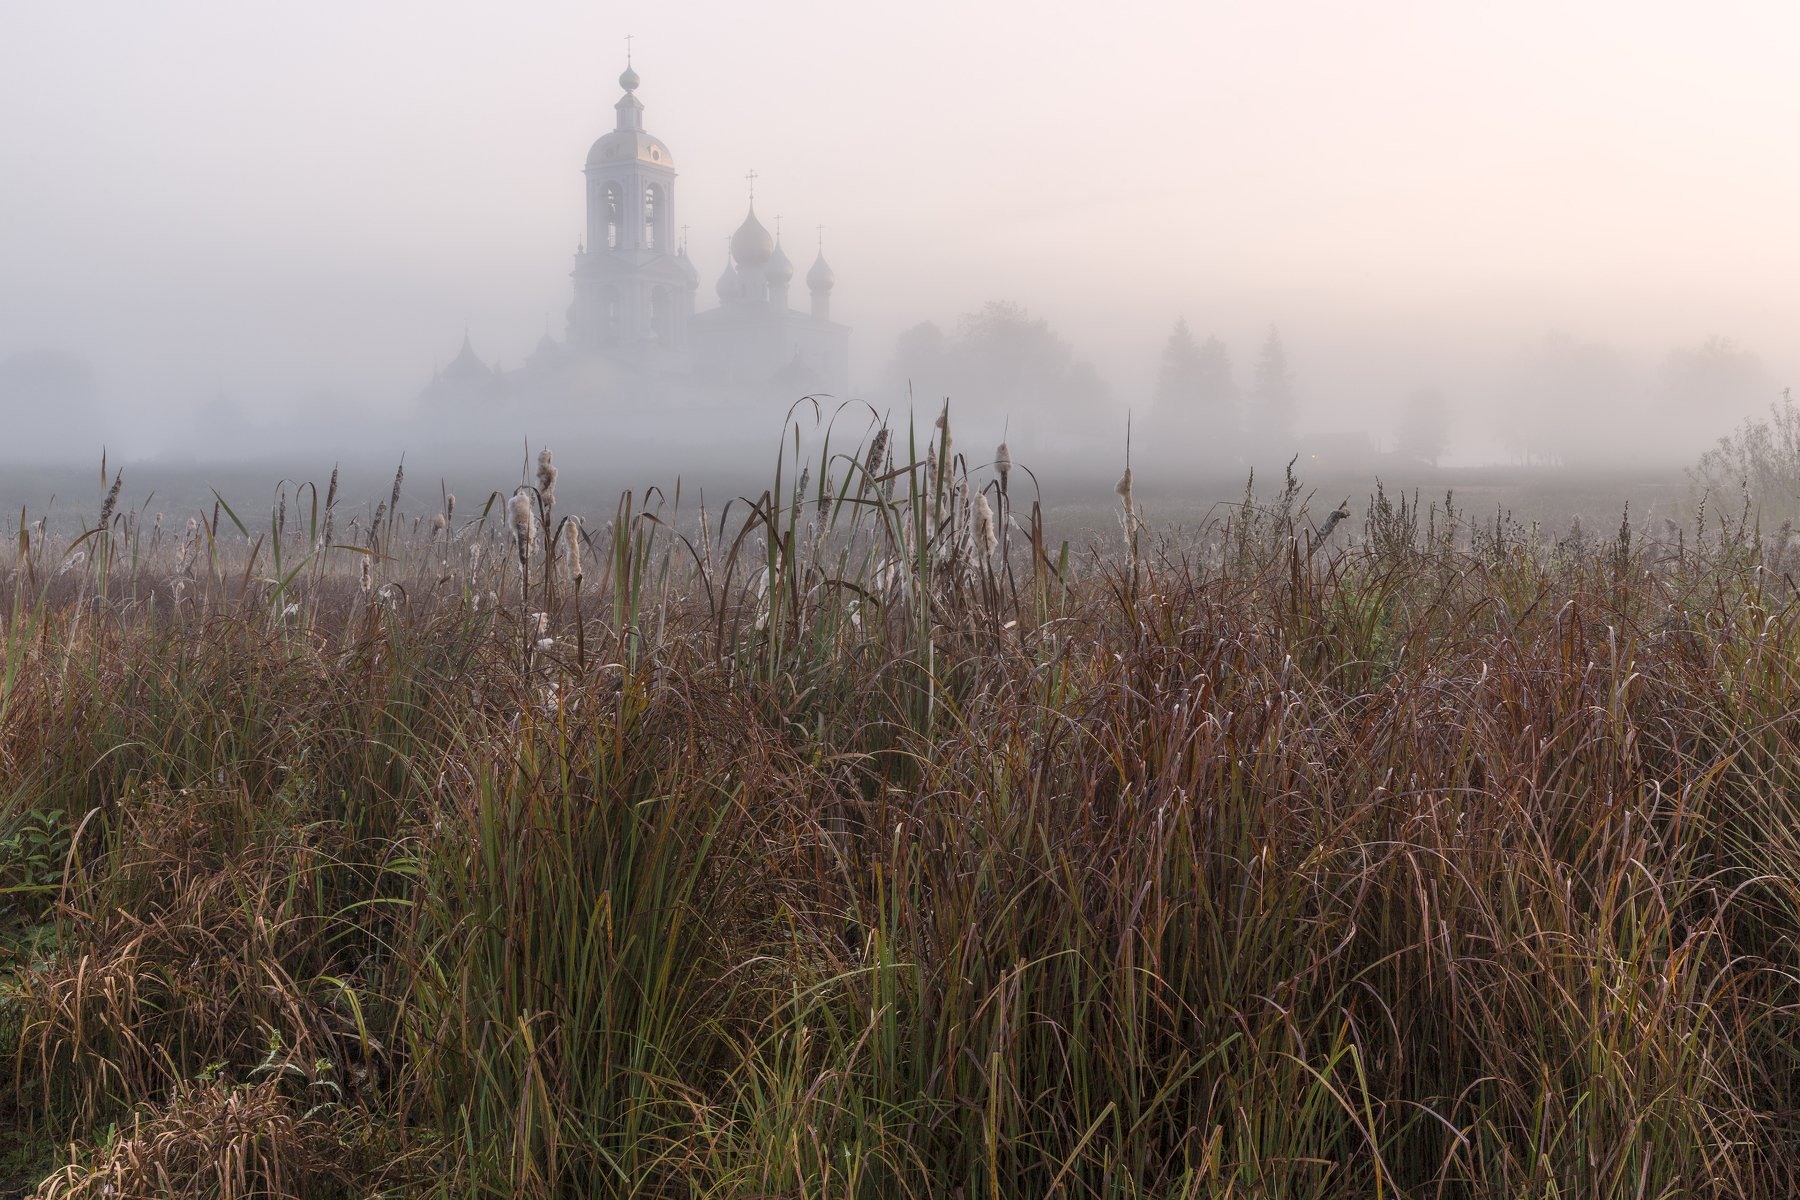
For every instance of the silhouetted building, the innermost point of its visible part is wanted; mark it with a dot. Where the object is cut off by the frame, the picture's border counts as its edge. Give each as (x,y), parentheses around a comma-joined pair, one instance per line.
(633,332)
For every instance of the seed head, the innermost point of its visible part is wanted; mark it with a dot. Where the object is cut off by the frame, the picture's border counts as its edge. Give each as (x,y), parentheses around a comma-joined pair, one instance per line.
(986,538)
(572,547)
(1003,464)
(872,465)
(524,529)
(546,474)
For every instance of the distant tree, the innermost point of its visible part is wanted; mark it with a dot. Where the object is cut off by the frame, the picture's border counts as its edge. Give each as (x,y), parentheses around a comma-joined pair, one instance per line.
(920,357)
(1424,428)
(1272,401)
(1178,379)
(1194,389)
(1701,393)
(1568,399)
(1001,362)
(1762,456)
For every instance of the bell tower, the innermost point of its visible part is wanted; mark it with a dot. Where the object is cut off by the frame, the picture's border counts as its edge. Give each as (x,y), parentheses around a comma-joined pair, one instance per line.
(634,289)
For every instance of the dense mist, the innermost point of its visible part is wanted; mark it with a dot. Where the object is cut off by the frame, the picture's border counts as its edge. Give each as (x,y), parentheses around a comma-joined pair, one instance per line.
(1437,236)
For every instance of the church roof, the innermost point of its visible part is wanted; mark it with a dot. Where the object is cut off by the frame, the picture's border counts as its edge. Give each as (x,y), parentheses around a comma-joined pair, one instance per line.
(628,140)
(779,271)
(465,365)
(623,145)
(751,245)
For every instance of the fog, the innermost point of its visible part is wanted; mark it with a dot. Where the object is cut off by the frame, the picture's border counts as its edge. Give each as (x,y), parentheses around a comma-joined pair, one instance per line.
(1535,232)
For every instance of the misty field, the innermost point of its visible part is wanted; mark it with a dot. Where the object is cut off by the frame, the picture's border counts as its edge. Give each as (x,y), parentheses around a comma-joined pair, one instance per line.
(862,840)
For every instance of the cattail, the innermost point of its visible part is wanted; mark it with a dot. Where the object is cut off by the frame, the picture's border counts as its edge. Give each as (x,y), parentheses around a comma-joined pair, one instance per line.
(437,525)
(571,532)
(987,538)
(1003,464)
(524,530)
(331,492)
(375,524)
(394,500)
(112,498)
(1340,513)
(1131,518)
(449,507)
(877,457)
(368,574)
(943,425)
(546,474)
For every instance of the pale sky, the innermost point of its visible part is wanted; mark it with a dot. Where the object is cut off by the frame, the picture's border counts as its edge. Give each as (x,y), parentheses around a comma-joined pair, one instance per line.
(273,198)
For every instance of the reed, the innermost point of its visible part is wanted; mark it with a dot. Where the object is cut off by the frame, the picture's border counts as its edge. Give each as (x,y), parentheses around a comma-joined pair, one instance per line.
(836,844)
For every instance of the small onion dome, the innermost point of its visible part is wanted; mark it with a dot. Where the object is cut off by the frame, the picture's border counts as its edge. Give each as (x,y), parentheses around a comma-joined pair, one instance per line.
(779,272)
(687,268)
(728,282)
(820,278)
(465,365)
(629,79)
(751,245)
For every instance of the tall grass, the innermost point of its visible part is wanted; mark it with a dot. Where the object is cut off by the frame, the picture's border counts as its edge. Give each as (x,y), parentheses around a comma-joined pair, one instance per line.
(810,847)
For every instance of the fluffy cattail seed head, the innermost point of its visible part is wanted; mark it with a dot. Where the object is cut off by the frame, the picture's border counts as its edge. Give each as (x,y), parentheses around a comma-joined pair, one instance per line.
(987,539)
(524,529)
(546,475)
(1003,464)
(572,547)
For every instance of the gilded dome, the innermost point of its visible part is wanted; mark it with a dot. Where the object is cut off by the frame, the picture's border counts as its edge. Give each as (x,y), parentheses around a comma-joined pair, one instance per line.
(623,145)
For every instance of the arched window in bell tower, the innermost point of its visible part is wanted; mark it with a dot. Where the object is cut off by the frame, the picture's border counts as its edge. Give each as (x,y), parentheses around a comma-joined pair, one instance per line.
(654,216)
(615,205)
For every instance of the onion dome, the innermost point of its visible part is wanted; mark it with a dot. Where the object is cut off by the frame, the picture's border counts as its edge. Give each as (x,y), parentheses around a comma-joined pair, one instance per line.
(751,245)
(687,267)
(779,272)
(728,282)
(821,278)
(628,141)
(465,365)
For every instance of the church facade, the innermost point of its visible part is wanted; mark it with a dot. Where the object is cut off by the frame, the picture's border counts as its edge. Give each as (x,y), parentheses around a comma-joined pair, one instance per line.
(635,328)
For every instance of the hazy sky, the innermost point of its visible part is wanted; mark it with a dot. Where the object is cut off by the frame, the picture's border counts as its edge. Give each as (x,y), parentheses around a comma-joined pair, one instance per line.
(277,198)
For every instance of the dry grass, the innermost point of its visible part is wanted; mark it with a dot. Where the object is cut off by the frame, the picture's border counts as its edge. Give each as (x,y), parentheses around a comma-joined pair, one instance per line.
(809,849)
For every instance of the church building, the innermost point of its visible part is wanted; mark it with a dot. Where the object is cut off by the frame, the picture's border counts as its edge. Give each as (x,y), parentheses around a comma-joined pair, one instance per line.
(634,328)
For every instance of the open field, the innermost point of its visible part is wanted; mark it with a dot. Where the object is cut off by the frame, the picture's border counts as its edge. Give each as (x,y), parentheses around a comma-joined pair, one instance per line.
(867,839)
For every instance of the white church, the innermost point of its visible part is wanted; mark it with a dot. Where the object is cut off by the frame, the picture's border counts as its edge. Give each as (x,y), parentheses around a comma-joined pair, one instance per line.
(635,333)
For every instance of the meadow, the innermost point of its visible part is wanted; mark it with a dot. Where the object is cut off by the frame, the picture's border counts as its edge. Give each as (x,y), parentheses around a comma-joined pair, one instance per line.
(860,838)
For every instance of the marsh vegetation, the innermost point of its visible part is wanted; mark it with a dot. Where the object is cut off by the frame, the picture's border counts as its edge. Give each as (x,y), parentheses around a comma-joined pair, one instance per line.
(861,839)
